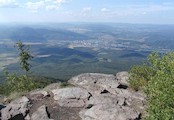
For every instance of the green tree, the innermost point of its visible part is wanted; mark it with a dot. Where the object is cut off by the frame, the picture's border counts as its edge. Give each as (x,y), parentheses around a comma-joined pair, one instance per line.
(156,78)
(21,83)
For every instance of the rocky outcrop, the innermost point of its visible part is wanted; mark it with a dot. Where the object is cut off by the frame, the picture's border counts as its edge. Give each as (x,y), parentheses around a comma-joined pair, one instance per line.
(17,109)
(93,96)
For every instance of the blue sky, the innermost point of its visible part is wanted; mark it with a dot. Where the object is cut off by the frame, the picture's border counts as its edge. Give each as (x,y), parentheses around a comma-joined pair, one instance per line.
(119,11)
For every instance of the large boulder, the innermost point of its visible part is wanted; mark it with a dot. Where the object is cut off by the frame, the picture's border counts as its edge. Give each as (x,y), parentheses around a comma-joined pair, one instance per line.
(16,109)
(96,83)
(40,114)
(71,97)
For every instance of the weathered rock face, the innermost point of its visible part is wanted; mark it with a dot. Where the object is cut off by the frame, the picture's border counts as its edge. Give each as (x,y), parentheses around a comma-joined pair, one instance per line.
(96,96)
(17,109)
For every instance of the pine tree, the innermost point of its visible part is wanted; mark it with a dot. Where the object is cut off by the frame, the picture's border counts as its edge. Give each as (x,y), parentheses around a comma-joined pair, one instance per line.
(25,56)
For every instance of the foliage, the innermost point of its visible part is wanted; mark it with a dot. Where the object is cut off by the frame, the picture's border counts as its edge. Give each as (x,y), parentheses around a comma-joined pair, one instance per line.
(140,75)
(157,79)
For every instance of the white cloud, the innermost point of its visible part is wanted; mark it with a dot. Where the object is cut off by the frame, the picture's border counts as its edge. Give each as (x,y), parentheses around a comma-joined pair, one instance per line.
(58,1)
(136,10)
(35,6)
(51,7)
(54,4)
(87,9)
(105,10)
(8,3)
(144,13)
(61,1)
(48,0)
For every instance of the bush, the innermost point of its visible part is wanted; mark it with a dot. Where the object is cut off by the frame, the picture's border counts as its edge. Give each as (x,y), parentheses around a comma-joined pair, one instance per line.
(157,79)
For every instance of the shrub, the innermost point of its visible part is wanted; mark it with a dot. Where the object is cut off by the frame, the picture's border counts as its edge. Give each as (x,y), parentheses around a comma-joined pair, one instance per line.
(157,79)
(17,83)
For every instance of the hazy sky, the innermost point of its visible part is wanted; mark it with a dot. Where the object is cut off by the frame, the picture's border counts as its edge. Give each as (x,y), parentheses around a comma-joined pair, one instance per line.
(120,11)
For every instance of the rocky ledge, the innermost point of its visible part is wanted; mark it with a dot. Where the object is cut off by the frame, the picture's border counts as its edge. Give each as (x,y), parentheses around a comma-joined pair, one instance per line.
(92,96)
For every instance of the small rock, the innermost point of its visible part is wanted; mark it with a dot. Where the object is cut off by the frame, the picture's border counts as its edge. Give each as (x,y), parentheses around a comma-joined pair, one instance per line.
(123,78)
(38,94)
(44,93)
